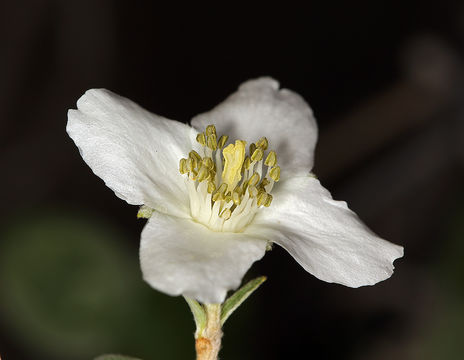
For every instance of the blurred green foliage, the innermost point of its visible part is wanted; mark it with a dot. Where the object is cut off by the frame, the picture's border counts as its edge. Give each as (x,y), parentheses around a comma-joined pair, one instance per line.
(72,290)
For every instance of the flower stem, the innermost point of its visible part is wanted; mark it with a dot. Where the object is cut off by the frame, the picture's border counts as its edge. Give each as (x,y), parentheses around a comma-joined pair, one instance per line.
(208,343)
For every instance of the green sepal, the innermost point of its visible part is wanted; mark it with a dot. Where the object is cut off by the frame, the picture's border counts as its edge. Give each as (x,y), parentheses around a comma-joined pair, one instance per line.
(237,298)
(199,315)
(115,357)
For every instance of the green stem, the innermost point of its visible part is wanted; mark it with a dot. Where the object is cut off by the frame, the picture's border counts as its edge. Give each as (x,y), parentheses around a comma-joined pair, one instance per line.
(208,342)
(209,319)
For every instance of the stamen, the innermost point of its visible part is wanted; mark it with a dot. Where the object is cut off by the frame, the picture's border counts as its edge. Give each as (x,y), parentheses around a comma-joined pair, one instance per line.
(203,173)
(247,163)
(275,173)
(262,143)
(271,159)
(193,154)
(210,129)
(262,197)
(268,200)
(212,141)
(254,179)
(226,214)
(253,191)
(257,155)
(222,141)
(222,189)
(191,164)
(226,185)
(183,166)
(211,187)
(201,138)
(236,197)
(252,148)
(264,182)
(208,162)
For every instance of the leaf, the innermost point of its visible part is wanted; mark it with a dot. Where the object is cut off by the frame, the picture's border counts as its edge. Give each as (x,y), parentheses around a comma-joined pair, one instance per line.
(115,357)
(199,315)
(236,299)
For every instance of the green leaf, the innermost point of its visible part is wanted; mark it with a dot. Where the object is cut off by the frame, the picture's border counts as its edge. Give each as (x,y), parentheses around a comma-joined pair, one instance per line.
(115,357)
(199,314)
(236,299)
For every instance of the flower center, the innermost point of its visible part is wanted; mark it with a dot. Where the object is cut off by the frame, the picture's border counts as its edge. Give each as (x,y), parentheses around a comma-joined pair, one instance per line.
(226,185)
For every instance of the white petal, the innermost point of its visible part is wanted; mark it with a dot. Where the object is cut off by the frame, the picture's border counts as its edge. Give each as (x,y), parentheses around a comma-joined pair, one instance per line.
(180,256)
(135,152)
(324,236)
(259,109)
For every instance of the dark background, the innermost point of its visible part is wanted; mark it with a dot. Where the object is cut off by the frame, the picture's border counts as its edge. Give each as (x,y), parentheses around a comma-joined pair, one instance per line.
(385,82)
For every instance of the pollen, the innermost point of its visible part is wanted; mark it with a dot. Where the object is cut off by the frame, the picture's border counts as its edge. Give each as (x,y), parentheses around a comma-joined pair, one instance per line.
(228,185)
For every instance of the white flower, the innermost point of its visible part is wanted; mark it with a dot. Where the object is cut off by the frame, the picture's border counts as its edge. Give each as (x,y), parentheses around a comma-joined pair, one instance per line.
(202,237)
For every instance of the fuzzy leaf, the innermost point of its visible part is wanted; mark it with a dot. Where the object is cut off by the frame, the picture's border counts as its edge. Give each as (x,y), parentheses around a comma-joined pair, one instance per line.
(199,315)
(115,357)
(237,298)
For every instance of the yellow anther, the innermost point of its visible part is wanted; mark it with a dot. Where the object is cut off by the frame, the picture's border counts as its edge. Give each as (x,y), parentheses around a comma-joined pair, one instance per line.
(254,179)
(222,141)
(264,182)
(262,185)
(226,214)
(238,189)
(244,186)
(183,166)
(240,186)
(262,198)
(247,163)
(211,141)
(201,138)
(257,155)
(211,175)
(275,173)
(252,148)
(268,200)
(253,191)
(193,174)
(203,174)
(210,129)
(195,155)
(262,143)
(222,189)
(271,159)
(217,196)
(208,162)
(191,164)
(234,155)
(211,187)
(236,197)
